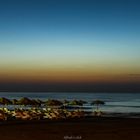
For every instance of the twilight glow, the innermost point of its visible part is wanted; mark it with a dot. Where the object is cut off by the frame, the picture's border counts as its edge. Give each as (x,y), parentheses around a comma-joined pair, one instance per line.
(70,41)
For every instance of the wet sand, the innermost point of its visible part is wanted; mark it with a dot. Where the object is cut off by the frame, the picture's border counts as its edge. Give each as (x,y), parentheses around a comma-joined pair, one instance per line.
(84,129)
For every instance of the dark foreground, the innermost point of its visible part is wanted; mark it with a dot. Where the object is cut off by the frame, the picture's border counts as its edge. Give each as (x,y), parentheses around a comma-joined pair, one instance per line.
(84,129)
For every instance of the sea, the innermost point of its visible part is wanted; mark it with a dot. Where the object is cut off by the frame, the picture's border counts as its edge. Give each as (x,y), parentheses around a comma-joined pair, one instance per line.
(114,102)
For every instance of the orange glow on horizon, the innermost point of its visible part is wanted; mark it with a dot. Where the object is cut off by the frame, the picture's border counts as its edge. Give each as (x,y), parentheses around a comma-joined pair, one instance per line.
(66,76)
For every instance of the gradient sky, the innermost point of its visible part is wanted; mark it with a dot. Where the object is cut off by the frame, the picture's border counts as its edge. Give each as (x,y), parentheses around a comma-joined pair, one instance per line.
(72,41)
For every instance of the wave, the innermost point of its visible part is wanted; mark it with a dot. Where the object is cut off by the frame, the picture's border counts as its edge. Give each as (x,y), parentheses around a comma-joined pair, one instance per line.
(123,106)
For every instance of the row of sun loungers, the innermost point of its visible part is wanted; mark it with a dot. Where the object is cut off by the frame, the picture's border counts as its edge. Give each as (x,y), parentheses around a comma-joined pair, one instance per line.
(38,114)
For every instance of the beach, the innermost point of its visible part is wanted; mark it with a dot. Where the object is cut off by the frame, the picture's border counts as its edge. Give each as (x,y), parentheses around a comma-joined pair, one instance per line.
(43,118)
(86,129)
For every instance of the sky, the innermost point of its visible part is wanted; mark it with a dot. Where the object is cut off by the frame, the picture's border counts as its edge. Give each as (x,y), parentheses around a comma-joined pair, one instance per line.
(69,43)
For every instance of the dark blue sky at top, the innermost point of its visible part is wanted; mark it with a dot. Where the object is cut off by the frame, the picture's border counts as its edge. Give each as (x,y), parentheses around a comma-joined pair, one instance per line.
(88,27)
(70,15)
(94,35)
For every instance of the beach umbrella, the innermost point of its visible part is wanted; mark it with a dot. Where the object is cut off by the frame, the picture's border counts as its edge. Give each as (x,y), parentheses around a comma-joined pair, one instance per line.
(36,102)
(97,103)
(25,101)
(53,103)
(76,102)
(5,101)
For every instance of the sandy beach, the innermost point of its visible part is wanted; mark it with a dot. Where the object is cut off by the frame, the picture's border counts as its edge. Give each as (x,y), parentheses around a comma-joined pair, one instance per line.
(85,129)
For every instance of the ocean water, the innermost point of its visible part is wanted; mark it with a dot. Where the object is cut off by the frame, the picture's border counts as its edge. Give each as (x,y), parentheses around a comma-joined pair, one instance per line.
(114,102)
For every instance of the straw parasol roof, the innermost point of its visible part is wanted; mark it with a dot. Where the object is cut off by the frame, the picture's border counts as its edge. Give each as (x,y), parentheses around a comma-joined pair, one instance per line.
(53,103)
(36,102)
(5,101)
(76,102)
(97,103)
(25,101)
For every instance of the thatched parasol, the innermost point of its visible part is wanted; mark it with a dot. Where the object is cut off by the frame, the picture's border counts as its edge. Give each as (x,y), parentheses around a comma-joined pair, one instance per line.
(97,103)
(53,103)
(36,102)
(5,101)
(76,102)
(25,101)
